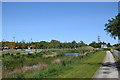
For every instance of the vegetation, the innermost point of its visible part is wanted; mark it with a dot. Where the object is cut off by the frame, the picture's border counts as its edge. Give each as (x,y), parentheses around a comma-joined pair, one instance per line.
(67,63)
(117,60)
(43,44)
(86,68)
(113,27)
(97,45)
(53,44)
(117,46)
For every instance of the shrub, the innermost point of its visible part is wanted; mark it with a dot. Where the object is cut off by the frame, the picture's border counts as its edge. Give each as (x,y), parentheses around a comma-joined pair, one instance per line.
(18,53)
(7,53)
(11,54)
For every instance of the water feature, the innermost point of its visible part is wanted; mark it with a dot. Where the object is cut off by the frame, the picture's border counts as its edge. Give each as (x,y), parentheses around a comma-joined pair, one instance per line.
(34,66)
(76,54)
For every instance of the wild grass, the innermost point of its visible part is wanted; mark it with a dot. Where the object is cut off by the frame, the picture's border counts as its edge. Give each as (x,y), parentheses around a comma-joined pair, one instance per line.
(69,67)
(85,68)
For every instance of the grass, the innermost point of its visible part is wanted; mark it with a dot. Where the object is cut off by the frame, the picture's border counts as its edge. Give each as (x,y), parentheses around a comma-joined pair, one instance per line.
(87,48)
(18,61)
(70,67)
(86,68)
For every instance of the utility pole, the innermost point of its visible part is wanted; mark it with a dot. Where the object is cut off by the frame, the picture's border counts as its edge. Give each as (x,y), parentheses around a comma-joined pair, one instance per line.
(3,40)
(14,38)
(99,39)
(31,40)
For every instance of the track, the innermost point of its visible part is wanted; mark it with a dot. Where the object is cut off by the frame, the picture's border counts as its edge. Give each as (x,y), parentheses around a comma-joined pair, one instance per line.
(108,68)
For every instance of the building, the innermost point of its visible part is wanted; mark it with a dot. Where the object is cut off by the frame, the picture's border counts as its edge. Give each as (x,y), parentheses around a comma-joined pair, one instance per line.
(104,46)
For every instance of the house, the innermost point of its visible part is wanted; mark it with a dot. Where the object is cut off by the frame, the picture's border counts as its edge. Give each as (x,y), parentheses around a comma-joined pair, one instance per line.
(104,46)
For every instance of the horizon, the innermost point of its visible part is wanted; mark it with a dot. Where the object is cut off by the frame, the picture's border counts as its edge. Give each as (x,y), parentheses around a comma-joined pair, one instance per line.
(73,20)
(56,40)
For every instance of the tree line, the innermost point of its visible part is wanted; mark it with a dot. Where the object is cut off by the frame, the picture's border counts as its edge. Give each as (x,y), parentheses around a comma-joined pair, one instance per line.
(43,44)
(49,45)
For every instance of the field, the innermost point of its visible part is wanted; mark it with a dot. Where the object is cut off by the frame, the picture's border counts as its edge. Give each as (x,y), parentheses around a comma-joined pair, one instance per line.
(52,64)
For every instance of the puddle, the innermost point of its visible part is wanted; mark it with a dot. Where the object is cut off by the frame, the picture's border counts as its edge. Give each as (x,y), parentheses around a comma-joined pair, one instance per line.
(76,54)
(26,69)
(34,66)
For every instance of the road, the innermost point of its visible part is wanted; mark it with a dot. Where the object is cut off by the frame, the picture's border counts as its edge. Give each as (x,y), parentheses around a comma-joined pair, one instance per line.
(108,68)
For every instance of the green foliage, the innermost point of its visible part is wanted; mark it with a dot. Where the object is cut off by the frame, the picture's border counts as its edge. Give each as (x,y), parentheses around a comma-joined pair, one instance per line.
(68,63)
(113,27)
(96,45)
(12,62)
(44,45)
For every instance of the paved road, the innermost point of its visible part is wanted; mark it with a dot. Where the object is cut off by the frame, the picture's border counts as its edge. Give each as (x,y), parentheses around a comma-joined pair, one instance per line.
(108,68)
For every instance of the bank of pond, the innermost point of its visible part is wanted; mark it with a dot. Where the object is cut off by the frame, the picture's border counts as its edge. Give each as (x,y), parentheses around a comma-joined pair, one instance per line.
(47,63)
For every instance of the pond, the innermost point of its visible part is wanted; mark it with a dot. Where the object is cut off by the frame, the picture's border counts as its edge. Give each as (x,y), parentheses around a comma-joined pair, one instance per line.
(33,66)
(24,69)
(76,54)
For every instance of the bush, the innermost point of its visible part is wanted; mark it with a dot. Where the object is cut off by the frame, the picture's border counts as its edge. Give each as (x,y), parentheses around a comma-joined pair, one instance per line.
(7,53)
(18,53)
(29,54)
(3,55)
(11,54)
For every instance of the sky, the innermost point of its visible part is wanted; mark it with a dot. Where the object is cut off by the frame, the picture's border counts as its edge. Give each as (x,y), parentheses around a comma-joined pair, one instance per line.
(63,21)
(0,21)
(60,0)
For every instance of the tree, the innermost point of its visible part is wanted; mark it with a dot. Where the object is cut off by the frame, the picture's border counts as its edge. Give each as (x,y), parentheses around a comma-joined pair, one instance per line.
(43,44)
(113,27)
(97,45)
(54,44)
(109,45)
(81,43)
(74,44)
(93,44)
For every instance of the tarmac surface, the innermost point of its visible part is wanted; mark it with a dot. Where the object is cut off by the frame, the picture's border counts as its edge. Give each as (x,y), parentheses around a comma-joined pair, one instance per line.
(108,68)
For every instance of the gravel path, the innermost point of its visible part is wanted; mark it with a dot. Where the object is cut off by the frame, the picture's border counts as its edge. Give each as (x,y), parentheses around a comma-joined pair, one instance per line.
(108,68)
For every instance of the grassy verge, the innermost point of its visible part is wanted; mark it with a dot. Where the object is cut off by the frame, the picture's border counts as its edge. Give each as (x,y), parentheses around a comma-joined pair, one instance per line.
(86,68)
(117,60)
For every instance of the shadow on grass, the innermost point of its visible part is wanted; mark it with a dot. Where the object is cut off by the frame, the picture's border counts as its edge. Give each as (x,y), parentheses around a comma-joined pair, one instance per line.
(92,63)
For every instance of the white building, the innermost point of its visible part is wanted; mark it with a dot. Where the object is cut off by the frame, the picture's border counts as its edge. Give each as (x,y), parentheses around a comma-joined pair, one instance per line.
(104,46)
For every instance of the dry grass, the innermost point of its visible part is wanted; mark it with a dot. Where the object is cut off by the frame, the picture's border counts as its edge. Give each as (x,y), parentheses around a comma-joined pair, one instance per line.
(49,55)
(56,61)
